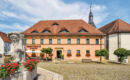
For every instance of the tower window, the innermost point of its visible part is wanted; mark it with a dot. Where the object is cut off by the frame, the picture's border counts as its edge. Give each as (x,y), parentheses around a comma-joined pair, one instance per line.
(33,41)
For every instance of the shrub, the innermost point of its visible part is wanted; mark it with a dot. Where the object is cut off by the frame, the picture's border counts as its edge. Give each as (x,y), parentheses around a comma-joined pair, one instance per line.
(102,52)
(121,53)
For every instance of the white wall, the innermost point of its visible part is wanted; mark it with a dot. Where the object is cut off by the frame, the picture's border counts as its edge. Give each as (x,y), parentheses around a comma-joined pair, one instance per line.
(125,40)
(113,45)
(1,46)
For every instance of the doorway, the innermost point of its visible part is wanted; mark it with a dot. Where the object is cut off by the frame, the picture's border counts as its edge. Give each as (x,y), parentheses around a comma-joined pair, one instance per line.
(59,52)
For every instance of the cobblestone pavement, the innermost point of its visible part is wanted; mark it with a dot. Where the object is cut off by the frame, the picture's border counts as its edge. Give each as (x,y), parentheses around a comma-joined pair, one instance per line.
(48,75)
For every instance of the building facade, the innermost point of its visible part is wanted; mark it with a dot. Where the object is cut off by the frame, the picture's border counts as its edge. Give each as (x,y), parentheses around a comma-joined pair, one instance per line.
(67,37)
(118,36)
(4,43)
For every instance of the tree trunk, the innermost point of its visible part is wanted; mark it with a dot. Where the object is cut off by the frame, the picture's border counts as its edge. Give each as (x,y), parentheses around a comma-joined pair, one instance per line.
(100,59)
(46,56)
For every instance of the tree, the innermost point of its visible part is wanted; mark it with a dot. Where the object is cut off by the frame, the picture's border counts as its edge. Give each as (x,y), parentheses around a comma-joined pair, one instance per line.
(47,51)
(121,53)
(102,52)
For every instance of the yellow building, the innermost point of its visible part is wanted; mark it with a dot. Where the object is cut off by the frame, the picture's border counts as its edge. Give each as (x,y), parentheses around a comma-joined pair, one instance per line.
(75,39)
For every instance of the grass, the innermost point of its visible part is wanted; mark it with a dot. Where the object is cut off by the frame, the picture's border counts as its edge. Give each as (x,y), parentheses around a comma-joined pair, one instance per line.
(89,71)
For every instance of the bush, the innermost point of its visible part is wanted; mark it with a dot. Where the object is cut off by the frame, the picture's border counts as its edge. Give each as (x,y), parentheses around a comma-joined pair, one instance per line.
(121,53)
(102,52)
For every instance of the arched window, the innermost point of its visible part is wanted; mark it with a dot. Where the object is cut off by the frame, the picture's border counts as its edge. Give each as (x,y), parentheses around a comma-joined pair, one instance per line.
(34,31)
(83,30)
(55,24)
(46,31)
(64,30)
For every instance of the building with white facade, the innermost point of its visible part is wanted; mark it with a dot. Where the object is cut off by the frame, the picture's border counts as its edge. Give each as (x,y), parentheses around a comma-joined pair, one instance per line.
(117,36)
(4,43)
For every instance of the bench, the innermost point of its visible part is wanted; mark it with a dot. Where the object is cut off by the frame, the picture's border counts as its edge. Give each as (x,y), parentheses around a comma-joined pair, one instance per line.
(86,60)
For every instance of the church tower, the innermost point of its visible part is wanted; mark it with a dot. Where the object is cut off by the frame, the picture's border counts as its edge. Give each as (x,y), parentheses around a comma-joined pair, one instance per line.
(90,21)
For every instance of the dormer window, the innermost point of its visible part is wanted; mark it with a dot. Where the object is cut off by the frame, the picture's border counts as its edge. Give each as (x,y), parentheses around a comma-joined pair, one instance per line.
(34,32)
(55,24)
(46,31)
(64,30)
(83,30)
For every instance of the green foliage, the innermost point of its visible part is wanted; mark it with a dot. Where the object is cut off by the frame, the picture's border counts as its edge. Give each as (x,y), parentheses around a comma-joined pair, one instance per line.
(47,51)
(102,52)
(121,53)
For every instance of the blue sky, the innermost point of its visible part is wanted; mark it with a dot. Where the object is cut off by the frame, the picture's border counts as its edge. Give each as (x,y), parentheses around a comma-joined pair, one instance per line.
(18,15)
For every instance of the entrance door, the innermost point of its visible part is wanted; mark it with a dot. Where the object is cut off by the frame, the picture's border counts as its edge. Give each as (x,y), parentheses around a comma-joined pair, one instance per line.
(59,52)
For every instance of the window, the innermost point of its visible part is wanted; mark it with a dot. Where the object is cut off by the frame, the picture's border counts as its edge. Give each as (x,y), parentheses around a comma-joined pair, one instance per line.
(97,41)
(83,30)
(64,30)
(46,31)
(87,51)
(50,41)
(42,41)
(78,40)
(69,52)
(33,41)
(34,31)
(59,41)
(69,41)
(55,24)
(78,51)
(87,41)
(25,41)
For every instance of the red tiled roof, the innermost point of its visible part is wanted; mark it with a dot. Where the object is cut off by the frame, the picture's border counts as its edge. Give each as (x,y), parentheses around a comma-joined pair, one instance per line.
(4,37)
(116,26)
(72,26)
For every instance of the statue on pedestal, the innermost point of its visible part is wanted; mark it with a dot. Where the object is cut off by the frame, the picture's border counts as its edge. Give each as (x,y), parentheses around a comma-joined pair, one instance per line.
(17,48)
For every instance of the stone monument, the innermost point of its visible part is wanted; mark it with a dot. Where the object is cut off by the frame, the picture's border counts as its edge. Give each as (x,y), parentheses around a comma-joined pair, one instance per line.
(17,48)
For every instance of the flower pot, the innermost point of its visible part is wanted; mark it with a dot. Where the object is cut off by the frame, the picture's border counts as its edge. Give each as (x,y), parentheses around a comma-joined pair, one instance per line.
(88,55)
(78,55)
(69,55)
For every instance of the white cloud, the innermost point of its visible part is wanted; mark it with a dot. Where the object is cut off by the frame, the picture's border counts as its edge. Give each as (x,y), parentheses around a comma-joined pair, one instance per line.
(35,10)
(55,9)
(13,27)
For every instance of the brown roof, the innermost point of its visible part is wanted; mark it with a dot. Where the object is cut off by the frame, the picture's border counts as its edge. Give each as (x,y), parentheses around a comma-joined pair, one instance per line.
(115,27)
(4,37)
(72,26)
